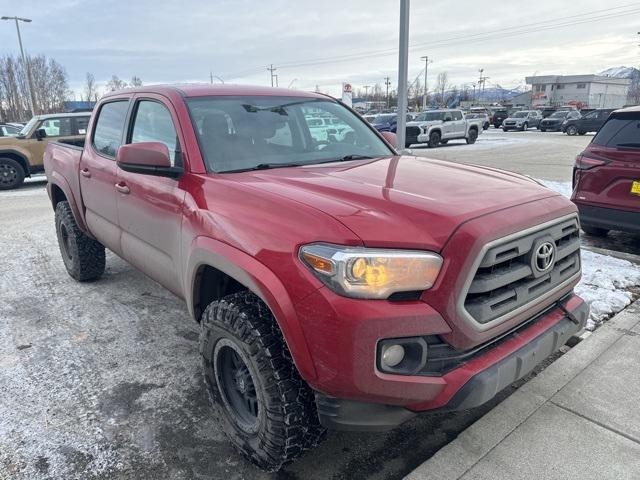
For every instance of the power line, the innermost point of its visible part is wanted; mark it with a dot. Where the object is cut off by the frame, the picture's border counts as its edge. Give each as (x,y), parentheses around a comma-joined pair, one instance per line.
(558,22)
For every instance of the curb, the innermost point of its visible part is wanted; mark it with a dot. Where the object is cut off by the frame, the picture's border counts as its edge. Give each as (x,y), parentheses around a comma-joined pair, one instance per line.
(455,459)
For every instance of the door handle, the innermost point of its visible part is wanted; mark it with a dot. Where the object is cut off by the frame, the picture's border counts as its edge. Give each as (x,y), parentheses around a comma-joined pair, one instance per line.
(85,172)
(122,188)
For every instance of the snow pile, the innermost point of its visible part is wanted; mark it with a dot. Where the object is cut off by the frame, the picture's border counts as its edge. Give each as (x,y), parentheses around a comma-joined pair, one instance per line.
(605,285)
(606,280)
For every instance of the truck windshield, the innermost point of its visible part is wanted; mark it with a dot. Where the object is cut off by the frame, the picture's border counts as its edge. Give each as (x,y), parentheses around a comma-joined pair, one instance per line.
(243,133)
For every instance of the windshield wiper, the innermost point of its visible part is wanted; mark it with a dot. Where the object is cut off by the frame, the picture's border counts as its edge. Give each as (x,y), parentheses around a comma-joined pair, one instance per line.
(346,158)
(264,166)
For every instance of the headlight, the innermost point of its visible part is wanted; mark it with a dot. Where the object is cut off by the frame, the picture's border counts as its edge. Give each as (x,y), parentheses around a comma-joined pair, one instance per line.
(371,273)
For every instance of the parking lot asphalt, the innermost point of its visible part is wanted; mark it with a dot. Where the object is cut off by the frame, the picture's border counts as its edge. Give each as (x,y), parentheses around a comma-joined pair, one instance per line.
(543,155)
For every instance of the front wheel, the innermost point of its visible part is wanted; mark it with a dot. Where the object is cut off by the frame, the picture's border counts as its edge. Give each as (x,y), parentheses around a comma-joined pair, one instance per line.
(83,257)
(11,174)
(472,136)
(260,401)
(434,139)
(525,126)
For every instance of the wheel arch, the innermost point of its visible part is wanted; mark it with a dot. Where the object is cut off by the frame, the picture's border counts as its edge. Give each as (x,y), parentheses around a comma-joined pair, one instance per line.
(18,157)
(215,269)
(60,191)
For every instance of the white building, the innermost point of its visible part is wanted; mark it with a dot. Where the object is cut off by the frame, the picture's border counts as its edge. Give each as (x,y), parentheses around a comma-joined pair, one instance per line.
(581,91)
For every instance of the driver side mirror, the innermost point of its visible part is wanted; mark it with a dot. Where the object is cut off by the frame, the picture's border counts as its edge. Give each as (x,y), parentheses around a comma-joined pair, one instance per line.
(390,137)
(40,134)
(147,158)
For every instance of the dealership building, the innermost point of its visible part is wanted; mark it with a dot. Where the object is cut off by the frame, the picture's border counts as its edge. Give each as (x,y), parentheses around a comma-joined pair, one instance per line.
(581,91)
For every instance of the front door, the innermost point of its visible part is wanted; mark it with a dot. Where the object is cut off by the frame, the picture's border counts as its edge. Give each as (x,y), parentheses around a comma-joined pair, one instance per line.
(150,207)
(98,175)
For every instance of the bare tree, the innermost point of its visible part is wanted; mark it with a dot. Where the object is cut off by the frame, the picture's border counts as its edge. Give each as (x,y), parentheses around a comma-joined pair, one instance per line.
(90,89)
(116,84)
(50,87)
(135,81)
(442,85)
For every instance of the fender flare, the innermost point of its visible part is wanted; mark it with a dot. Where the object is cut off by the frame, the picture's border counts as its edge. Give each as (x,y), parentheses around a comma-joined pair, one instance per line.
(22,155)
(259,279)
(54,178)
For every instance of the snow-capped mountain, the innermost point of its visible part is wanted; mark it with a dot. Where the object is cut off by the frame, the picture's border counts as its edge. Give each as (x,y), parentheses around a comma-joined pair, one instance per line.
(621,72)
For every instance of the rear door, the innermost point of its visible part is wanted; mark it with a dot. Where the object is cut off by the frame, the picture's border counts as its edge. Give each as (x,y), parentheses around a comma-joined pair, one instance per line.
(459,124)
(589,123)
(150,207)
(98,175)
(448,128)
(616,183)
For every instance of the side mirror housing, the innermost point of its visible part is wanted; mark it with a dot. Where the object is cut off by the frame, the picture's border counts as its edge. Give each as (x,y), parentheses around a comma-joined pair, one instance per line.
(147,158)
(41,133)
(390,137)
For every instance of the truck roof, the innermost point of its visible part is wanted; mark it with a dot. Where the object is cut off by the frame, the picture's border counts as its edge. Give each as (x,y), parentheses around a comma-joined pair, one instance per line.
(205,89)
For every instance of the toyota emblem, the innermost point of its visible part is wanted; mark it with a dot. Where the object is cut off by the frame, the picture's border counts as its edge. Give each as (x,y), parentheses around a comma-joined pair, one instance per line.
(544,257)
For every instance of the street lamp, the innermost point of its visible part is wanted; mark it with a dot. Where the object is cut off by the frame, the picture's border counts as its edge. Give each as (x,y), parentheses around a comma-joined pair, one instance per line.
(32,101)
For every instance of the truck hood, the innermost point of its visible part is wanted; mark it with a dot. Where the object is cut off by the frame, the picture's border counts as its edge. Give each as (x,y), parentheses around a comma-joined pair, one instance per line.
(401,202)
(423,124)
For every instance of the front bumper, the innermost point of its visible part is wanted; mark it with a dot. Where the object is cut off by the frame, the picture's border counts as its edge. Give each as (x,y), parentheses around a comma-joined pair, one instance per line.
(473,383)
(514,126)
(609,218)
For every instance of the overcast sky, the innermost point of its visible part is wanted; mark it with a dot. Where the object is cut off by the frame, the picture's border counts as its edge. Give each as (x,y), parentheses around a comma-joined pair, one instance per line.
(178,41)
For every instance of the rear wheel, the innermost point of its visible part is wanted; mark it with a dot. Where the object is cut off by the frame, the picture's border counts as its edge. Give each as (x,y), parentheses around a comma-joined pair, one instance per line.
(434,139)
(83,257)
(572,130)
(525,126)
(260,401)
(11,174)
(472,136)
(595,231)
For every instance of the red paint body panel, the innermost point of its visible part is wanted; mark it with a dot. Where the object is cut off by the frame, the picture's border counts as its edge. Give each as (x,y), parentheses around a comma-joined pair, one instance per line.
(251,225)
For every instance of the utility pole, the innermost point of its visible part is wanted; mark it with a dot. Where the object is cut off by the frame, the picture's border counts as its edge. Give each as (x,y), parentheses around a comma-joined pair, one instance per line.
(481,82)
(32,100)
(387,82)
(271,70)
(211,76)
(403,65)
(426,68)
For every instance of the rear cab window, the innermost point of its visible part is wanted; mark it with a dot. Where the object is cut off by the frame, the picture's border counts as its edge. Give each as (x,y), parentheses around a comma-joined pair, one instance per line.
(622,130)
(109,128)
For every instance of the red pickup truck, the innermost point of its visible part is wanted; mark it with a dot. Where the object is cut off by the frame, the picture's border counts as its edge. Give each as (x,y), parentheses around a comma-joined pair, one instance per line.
(337,283)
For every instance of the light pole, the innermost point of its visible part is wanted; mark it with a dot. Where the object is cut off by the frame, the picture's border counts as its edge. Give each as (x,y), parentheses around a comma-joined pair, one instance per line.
(426,68)
(403,63)
(32,101)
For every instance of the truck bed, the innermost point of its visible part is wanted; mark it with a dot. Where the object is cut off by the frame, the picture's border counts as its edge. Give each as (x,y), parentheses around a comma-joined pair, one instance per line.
(62,163)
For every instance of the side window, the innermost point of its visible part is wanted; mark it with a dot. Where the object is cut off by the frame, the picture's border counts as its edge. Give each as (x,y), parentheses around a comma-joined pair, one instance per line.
(107,135)
(448,117)
(81,125)
(153,123)
(457,115)
(57,127)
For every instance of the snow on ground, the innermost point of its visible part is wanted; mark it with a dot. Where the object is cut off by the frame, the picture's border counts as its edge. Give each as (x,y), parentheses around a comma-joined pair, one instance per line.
(606,281)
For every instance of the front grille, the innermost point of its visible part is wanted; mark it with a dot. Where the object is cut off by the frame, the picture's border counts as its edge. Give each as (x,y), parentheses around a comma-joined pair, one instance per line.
(412,134)
(510,123)
(511,276)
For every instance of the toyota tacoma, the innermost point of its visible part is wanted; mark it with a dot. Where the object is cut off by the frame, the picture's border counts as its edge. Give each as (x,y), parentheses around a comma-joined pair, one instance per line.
(337,284)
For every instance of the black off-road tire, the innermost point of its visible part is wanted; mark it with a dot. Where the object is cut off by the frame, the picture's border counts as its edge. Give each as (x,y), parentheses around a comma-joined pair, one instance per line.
(434,139)
(11,174)
(83,257)
(595,231)
(472,136)
(286,422)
